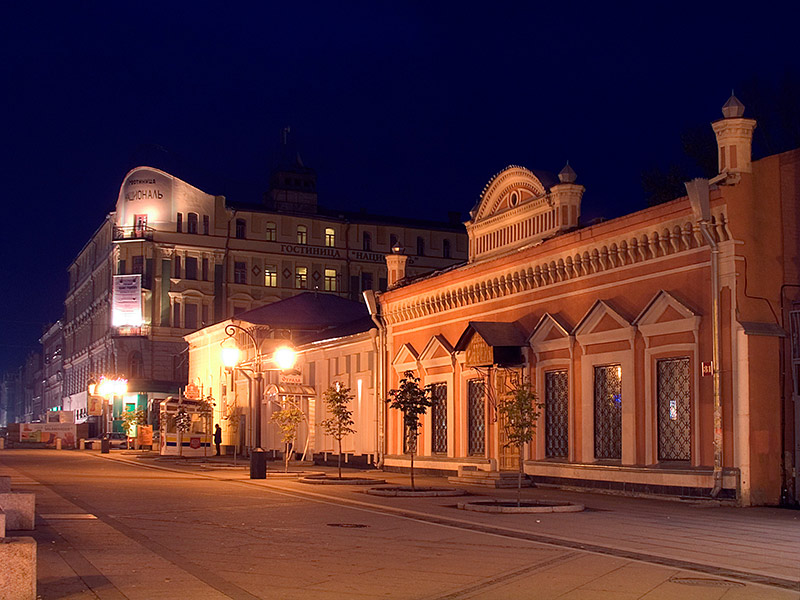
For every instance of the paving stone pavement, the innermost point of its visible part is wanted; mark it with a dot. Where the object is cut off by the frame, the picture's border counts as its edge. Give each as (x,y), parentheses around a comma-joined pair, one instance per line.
(618,548)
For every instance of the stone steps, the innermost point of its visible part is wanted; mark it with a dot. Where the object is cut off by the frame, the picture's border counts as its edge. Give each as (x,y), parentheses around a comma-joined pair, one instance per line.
(495,479)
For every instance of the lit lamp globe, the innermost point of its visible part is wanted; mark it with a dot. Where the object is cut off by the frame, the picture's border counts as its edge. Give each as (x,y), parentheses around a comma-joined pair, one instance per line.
(285,358)
(230,357)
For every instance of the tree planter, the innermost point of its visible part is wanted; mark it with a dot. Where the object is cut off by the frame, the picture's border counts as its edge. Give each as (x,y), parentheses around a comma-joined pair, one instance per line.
(328,480)
(526,506)
(419,492)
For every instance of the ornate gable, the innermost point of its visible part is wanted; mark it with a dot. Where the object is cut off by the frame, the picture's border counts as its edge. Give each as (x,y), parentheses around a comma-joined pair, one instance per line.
(405,359)
(603,324)
(665,314)
(549,334)
(437,353)
(519,207)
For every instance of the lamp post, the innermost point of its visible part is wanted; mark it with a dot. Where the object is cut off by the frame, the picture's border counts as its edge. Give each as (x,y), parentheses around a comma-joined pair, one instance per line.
(283,358)
(107,389)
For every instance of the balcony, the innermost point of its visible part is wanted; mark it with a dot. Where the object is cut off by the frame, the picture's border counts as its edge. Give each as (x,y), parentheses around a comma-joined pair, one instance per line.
(133,233)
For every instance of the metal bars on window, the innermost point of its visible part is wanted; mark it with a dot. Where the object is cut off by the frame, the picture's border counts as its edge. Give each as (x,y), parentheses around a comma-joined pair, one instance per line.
(439,418)
(556,414)
(674,409)
(476,400)
(608,411)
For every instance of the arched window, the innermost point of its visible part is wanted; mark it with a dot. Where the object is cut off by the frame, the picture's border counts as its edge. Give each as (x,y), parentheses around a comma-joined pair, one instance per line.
(135,365)
(420,246)
(366,241)
(446,249)
(302,234)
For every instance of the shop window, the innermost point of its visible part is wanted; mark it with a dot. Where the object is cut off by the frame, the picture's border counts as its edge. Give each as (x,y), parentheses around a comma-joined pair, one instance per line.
(476,390)
(439,418)
(556,414)
(608,411)
(674,409)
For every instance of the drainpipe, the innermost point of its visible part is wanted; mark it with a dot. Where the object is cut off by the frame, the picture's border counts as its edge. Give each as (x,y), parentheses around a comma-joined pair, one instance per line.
(698,190)
(380,432)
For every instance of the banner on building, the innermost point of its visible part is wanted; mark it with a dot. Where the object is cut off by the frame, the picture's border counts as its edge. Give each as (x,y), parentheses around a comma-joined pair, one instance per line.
(126,304)
(48,433)
(95,406)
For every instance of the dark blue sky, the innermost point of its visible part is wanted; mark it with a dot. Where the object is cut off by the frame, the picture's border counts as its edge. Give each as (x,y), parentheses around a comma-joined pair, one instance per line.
(407,106)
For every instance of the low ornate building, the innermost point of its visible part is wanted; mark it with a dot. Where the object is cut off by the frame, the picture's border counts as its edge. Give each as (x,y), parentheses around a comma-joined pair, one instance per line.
(658,343)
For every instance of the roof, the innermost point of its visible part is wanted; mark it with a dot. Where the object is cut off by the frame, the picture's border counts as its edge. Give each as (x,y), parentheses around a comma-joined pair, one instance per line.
(310,311)
(494,333)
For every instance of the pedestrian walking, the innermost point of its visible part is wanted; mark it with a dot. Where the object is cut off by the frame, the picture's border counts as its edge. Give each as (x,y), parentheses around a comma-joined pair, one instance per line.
(217,437)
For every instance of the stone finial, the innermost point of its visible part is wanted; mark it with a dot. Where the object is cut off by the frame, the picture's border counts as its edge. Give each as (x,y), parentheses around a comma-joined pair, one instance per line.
(567,174)
(733,108)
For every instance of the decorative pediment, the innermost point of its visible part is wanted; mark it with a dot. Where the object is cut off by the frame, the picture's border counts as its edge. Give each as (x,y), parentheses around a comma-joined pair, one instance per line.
(437,353)
(549,334)
(405,359)
(665,314)
(508,189)
(603,324)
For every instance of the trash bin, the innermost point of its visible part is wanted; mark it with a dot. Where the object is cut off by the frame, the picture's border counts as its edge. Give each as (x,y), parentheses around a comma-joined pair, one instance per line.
(105,445)
(258,464)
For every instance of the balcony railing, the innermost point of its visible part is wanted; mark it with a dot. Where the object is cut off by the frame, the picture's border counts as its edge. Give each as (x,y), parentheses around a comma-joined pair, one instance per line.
(133,233)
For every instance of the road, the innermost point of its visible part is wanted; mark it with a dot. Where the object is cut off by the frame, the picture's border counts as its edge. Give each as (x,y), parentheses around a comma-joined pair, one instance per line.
(120,527)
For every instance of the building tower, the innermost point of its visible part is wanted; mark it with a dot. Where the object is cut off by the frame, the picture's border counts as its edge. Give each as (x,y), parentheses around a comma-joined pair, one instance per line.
(734,138)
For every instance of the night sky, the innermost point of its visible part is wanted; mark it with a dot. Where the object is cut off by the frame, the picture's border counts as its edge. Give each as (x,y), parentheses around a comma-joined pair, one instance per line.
(403,108)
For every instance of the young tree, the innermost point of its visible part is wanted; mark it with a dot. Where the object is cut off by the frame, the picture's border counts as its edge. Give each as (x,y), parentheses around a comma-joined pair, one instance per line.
(288,419)
(132,418)
(520,412)
(413,401)
(340,423)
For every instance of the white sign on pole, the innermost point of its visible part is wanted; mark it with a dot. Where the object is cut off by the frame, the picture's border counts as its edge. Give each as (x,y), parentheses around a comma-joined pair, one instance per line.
(126,307)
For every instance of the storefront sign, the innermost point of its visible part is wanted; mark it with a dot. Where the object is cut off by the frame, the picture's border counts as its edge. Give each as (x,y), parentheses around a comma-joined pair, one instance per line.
(478,353)
(145,435)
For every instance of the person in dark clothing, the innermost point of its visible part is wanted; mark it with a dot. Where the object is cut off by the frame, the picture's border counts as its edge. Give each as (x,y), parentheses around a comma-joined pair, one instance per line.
(217,437)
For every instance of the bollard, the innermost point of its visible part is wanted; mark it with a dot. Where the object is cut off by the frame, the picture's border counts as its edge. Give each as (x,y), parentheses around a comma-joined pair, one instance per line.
(58,443)
(2,443)
(82,444)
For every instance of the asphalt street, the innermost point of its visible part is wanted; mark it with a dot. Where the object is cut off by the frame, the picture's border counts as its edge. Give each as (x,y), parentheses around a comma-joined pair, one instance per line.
(126,525)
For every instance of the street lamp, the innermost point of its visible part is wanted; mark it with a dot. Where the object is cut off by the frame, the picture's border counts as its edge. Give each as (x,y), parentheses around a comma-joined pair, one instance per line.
(108,389)
(283,358)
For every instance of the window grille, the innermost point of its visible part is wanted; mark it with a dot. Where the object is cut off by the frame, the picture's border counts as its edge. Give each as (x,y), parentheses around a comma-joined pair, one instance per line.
(556,414)
(477,416)
(608,411)
(439,418)
(674,409)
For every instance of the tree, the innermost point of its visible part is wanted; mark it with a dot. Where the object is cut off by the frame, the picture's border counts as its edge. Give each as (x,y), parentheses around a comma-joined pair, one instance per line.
(520,412)
(288,418)
(413,401)
(133,418)
(340,423)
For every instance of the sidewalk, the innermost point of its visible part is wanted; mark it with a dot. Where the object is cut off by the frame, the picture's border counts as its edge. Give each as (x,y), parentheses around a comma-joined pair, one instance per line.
(759,545)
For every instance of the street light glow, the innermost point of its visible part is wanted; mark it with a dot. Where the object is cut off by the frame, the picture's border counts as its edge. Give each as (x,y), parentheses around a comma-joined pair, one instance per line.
(285,357)
(230,356)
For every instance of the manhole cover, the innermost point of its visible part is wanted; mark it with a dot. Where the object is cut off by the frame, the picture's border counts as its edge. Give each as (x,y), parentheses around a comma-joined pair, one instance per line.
(706,582)
(347,525)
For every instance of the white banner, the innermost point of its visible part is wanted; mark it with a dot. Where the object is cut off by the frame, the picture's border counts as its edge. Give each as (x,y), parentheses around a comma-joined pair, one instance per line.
(126,307)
